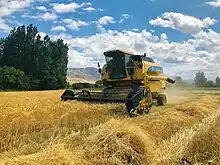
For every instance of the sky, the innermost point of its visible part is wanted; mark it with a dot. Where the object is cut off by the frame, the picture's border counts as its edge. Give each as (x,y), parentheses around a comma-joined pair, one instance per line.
(182,35)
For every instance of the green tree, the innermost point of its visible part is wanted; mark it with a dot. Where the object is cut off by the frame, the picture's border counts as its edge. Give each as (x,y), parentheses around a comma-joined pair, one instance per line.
(53,69)
(1,49)
(210,83)
(217,81)
(41,59)
(14,49)
(11,78)
(200,79)
(179,81)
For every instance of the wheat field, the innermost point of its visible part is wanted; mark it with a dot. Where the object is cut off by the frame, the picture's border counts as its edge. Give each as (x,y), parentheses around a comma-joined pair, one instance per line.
(38,128)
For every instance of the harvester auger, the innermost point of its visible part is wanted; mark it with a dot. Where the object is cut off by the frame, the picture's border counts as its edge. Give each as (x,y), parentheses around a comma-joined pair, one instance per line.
(135,80)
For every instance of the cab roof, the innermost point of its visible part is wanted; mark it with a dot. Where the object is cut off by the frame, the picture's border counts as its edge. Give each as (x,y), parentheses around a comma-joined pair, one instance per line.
(138,57)
(119,51)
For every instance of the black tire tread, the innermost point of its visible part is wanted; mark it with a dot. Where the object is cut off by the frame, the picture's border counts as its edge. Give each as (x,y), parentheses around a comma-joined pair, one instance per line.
(162,100)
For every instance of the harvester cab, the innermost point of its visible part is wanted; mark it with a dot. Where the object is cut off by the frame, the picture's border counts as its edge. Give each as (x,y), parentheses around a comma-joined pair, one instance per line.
(135,80)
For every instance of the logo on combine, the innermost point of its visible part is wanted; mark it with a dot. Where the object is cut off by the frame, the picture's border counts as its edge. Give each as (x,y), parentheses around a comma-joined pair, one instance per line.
(155,69)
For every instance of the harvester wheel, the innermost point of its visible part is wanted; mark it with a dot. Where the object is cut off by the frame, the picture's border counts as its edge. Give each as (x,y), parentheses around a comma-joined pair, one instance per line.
(162,100)
(86,93)
(138,101)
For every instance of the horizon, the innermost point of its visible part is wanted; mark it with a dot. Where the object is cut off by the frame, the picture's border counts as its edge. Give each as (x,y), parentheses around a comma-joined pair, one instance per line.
(189,80)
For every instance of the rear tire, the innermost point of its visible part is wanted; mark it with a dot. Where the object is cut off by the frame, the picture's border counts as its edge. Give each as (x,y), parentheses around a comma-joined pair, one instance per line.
(161,100)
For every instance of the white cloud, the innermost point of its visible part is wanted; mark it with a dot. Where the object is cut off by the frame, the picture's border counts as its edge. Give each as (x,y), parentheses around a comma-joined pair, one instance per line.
(64,36)
(163,36)
(65,8)
(202,52)
(183,23)
(86,4)
(7,7)
(42,34)
(105,20)
(100,28)
(38,0)
(41,8)
(4,26)
(124,17)
(161,22)
(101,9)
(77,60)
(135,29)
(215,3)
(48,16)
(27,15)
(71,7)
(210,41)
(94,46)
(13,22)
(58,28)
(74,24)
(89,9)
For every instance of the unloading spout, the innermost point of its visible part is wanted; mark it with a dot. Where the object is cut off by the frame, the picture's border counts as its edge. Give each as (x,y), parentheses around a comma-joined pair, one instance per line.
(169,80)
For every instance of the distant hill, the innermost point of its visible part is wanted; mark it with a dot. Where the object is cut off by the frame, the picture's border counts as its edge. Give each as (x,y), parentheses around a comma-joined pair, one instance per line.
(88,74)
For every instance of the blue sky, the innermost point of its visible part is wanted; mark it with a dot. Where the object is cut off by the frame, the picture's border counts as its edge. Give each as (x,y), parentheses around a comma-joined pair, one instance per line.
(141,11)
(184,36)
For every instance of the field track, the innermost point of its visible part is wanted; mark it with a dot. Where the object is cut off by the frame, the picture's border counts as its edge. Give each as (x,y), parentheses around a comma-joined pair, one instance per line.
(37,128)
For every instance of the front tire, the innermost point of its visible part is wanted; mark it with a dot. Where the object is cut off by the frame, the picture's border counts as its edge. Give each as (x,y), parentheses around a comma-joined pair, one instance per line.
(161,100)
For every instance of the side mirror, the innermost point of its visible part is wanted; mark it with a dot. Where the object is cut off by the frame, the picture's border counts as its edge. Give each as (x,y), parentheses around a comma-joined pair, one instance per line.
(99,70)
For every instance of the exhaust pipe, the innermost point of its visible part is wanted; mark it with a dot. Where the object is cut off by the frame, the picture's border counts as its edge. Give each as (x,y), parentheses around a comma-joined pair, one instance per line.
(99,68)
(170,81)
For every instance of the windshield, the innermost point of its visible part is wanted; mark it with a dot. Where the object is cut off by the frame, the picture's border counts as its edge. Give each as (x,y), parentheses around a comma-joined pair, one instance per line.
(116,66)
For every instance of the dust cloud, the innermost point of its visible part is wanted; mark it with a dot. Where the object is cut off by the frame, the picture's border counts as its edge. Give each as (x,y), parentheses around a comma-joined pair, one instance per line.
(176,95)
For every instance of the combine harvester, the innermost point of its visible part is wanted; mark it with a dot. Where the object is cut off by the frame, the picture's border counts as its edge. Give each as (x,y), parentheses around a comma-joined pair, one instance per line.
(135,80)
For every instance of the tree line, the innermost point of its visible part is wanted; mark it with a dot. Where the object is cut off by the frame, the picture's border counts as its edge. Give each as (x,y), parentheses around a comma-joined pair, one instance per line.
(200,80)
(30,62)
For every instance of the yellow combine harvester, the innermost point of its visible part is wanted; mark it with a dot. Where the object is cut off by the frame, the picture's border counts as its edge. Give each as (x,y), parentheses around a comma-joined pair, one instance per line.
(133,79)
